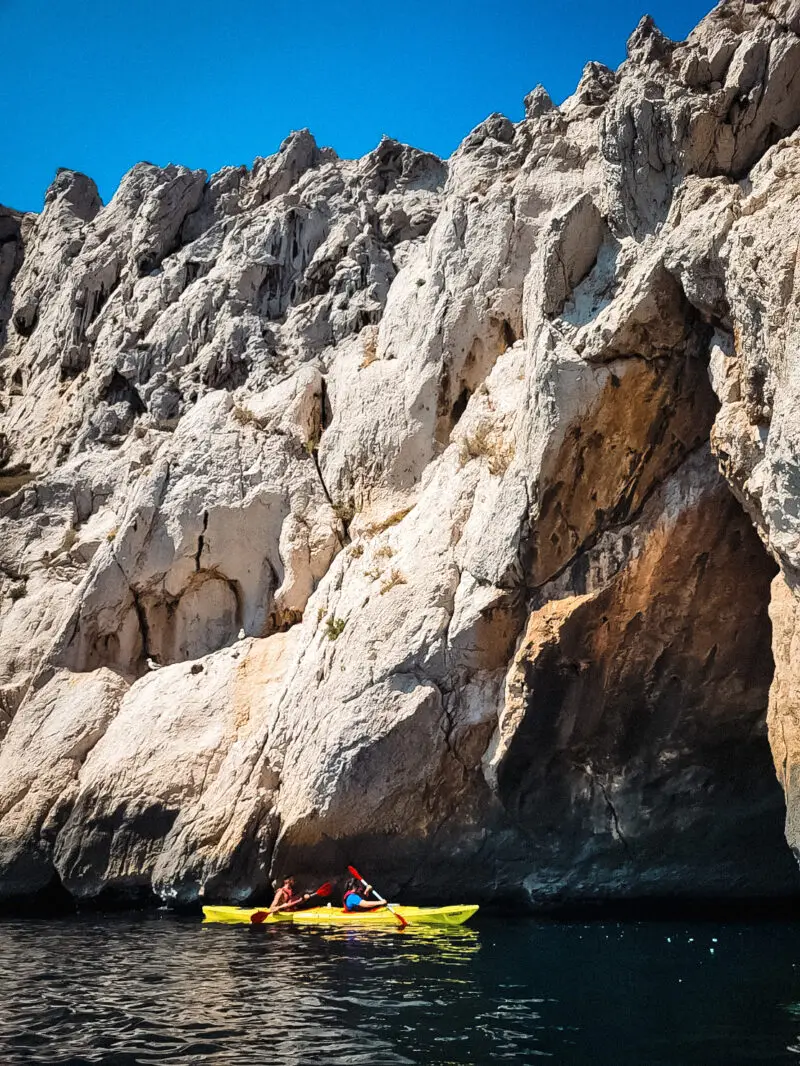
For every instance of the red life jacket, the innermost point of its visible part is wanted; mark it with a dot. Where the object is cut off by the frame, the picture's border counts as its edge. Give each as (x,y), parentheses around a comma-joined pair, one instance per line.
(285,896)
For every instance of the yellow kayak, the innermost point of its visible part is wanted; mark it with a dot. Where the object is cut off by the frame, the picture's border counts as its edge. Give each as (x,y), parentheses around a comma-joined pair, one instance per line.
(455,915)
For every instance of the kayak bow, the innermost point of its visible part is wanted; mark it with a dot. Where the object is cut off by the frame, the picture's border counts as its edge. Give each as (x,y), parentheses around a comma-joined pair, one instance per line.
(235,915)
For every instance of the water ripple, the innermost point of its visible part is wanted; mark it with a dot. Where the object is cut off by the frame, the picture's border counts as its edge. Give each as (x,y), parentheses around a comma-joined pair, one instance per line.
(158,991)
(135,991)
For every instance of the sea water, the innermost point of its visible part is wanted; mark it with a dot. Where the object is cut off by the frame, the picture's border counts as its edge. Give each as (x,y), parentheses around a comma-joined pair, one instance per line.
(154,989)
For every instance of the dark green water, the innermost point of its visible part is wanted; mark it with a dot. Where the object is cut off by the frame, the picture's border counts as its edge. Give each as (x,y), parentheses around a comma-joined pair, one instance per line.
(127,990)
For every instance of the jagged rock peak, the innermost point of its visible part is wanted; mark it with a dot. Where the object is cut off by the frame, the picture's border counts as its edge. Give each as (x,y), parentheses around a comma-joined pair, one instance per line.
(276,174)
(403,166)
(494,128)
(596,85)
(647,44)
(538,102)
(76,190)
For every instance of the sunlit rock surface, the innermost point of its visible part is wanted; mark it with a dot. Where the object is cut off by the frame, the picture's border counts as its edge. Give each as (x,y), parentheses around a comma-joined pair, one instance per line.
(440,516)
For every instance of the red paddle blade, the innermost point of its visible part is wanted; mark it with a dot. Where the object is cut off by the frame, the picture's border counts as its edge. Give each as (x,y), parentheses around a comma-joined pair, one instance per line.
(258,917)
(324,890)
(355,873)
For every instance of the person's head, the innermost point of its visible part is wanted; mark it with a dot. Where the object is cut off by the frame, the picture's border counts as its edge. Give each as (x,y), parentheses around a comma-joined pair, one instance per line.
(288,883)
(352,886)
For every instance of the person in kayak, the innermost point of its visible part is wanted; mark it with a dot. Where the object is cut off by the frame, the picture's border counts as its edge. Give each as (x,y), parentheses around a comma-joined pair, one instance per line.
(354,899)
(286,897)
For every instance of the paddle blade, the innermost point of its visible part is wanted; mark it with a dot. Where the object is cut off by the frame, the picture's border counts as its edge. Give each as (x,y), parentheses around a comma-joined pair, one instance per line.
(258,917)
(355,873)
(399,917)
(324,890)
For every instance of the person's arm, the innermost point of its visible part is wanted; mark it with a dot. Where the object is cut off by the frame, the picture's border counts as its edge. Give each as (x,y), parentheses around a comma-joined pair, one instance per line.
(290,903)
(369,904)
(277,899)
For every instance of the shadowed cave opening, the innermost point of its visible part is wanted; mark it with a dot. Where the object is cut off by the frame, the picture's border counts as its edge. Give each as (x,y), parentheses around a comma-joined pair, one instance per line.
(637,762)
(644,721)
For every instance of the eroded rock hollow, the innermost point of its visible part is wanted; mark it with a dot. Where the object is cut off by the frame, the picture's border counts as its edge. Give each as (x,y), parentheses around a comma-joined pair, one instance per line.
(440,515)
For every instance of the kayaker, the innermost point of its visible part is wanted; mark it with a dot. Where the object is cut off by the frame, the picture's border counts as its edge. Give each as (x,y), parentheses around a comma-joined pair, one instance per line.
(286,897)
(354,900)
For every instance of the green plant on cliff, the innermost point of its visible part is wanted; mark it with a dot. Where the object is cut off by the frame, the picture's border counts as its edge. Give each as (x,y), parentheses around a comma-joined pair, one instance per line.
(334,627)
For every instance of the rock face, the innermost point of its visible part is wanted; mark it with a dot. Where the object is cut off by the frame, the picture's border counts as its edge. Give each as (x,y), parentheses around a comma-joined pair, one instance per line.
(441,516)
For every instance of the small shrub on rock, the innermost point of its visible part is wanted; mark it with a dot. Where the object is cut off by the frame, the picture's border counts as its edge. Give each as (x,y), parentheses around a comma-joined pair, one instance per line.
(394,578)
(334,627)
(488,443)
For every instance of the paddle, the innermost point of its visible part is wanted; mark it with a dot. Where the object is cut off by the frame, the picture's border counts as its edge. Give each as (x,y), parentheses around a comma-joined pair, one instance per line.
(366,884)
(261,916)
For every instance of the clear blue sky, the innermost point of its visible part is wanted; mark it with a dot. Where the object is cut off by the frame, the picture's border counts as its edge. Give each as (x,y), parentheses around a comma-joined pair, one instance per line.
(98,85)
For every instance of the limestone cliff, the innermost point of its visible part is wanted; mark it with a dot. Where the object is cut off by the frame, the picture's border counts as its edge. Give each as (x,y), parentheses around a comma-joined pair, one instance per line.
(440,515)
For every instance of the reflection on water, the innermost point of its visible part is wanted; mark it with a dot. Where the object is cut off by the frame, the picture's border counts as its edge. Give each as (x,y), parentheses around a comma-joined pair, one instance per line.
(454,944)
(127,990)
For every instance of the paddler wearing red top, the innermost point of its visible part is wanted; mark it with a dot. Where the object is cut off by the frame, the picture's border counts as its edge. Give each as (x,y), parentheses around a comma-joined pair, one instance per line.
(354,897)
(286,898)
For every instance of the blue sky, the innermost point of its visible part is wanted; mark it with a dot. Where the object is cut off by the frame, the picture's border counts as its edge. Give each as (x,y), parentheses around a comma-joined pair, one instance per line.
(98,85)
